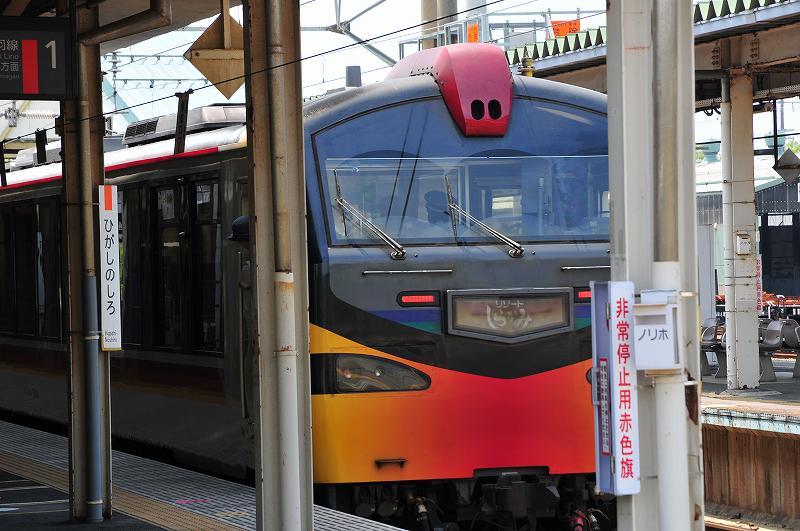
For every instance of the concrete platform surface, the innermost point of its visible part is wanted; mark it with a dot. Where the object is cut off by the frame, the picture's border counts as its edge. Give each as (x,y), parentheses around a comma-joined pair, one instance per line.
(31,505)
(147,494)
(774,406)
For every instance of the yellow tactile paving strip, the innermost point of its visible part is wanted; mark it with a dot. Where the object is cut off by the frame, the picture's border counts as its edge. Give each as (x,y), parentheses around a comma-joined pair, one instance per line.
(146,509)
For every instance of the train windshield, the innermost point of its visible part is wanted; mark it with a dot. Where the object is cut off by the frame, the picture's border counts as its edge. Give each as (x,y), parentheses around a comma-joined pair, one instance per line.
(527,198)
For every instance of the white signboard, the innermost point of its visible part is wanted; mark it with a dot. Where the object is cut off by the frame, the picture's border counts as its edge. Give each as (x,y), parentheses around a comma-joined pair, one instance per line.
(624,401)
(656,337)
(110,308)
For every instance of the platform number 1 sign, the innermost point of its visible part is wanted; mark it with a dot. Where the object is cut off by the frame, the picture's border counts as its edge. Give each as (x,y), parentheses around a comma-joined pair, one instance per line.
(35,58)
(110,308)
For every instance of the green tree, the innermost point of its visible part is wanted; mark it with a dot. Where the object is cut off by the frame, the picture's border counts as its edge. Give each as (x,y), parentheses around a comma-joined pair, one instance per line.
(793,144)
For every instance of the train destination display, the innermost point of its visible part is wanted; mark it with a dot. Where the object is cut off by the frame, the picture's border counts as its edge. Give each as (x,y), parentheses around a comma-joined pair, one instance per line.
(35,58)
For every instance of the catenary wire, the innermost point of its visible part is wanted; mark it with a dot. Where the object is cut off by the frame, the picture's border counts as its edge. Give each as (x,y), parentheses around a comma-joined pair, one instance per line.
(274,67)
(295,61)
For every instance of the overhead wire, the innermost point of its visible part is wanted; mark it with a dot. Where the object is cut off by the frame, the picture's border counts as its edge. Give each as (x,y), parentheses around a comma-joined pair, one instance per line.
(274,67)
(301,59)
(376,40)
(372,40)
(394,37)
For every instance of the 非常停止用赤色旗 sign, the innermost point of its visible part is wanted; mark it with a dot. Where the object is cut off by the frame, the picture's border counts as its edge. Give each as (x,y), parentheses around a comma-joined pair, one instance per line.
(35,58)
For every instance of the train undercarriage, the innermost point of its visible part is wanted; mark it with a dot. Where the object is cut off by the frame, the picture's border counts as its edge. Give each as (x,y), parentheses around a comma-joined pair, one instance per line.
(525,500)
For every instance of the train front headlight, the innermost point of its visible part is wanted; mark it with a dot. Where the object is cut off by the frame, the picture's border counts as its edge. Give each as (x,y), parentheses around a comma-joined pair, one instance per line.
(362,374)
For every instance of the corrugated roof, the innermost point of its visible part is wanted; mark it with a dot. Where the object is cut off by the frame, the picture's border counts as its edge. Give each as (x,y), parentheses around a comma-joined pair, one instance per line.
(590,38)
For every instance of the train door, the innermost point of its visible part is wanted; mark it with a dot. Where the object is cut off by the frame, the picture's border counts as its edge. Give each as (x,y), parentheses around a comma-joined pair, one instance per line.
(188,269)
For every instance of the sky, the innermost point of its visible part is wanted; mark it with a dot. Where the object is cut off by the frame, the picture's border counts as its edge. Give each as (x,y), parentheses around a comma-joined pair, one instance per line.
(323,69)
(393,15)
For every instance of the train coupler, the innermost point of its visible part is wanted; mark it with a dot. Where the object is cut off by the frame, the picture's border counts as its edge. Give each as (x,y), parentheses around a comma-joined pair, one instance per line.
(522,499)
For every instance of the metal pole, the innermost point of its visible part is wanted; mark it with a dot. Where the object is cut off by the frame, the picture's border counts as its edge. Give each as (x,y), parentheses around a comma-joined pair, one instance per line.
(738,218)
(291,344)
(672,129)
(91,130)
(427,10)
(70,146)
(444,11)
(278,236)
(650,109)
(266,452)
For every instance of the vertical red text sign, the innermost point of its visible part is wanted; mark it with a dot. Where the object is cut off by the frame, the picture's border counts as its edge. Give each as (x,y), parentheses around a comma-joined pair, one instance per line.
(624,403)
(110,307)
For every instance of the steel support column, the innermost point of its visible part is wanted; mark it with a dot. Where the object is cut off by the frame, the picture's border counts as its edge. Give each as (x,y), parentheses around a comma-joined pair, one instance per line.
(653,213)
(428,12)
(278,233)
(738,220)
(89,409)
(446,9)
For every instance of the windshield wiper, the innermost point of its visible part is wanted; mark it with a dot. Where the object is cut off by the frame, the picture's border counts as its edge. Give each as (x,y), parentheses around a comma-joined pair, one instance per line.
(516,250)
(398,252)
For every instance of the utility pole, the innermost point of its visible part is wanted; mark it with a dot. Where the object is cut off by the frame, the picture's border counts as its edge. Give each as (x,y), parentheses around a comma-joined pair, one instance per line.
(278,241)
(651,135)
(88,376)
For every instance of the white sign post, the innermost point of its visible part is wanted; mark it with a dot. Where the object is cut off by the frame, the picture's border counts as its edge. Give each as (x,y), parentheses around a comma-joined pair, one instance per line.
(614,388)
(110,307)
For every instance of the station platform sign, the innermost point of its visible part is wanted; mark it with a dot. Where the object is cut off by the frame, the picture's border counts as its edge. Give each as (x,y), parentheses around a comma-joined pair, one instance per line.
(36,58)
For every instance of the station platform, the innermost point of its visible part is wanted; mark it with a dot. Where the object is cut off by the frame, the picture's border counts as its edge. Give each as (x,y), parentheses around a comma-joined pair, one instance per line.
(779,397)
(147,494)
(751,452)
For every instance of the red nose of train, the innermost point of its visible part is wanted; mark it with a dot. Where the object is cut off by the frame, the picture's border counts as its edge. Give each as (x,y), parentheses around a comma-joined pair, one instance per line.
(474,80)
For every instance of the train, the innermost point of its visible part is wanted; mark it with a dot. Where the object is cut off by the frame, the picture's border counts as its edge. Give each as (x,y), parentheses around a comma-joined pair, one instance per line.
(456,214)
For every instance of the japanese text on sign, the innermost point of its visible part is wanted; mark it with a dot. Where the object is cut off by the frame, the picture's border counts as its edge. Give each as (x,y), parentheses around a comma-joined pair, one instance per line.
(614,397)
(472,32)
(562,28)
(624,398)
(759,285)
(605,413)
(656,337)
(110,309)
(35,58)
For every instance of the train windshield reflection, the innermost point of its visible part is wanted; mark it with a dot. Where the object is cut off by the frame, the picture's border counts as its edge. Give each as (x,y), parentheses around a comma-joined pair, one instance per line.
(525,198)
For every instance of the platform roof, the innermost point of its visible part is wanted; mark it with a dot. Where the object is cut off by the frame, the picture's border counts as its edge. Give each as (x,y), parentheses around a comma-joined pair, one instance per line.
(774,25)
(183,14)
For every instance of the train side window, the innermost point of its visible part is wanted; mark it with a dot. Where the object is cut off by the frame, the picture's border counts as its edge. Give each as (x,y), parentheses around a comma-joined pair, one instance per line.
(7,309)
(207,264)
(166,204)
(25,268)
(169,274)
(130,242)
(48,260)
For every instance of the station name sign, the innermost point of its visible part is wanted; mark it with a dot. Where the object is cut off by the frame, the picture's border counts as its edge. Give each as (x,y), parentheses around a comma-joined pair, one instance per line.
(110,307)
(35,58)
